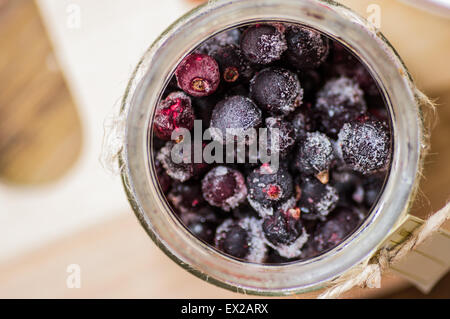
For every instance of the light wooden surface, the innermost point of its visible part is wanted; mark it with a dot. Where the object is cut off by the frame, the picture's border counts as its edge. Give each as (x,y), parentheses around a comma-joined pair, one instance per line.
(40,132)
(40,138)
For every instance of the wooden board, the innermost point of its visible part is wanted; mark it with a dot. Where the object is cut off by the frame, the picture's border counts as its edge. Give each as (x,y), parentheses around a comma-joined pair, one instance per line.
(40,132)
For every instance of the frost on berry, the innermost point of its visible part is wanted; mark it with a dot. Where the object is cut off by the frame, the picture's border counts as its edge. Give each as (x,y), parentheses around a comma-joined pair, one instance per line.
(365,146)
(242,239)
(172,113)
(338,102)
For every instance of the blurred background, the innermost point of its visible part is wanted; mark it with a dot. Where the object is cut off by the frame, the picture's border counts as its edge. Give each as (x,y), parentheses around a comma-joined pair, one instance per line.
(63,66)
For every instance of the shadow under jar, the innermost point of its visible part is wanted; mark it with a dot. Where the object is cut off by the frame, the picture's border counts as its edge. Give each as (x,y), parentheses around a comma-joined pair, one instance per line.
(359,73)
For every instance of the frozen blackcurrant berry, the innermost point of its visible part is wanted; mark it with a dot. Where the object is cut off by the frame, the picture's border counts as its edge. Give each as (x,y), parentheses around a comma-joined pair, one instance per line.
(224,187)
(276,90)
(198,75)
(204,231)
(164,179)
(336,228)
(338,102)
(220,40)
(233,66)
(263,43)
(302,122)
(281,229)
(186,197)
(316,200)
(184,167)
(235,112)
(178,171)
(365,146)
(199,214)
(268,189)
(284,232)
(172,113)
(242,239)
(235,242)
(281,134)
(306,48)
(315,156)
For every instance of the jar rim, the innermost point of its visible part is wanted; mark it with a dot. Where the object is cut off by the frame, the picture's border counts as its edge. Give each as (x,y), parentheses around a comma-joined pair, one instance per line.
(152,209)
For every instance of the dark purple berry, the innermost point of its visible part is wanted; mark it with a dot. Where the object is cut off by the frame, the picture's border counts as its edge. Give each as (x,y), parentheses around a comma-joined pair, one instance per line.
(178,171)
(338,102)
(281,130)
(242,239)
(365,146)
(306,48)
(263,43)
(282,228)
(315,156)
(335,229)
(284,232)
(235,242)
(268,189)
(185,169)
(302,122)
(164,180)
(198,75)
(204,231)
(233,66)
(186,197)
(224,187)
(220,40)
(316,200)
(173,113)
(235,112)
(276,90)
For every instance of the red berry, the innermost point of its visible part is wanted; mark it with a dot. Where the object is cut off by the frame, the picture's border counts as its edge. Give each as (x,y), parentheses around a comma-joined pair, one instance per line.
(198,75)
(173,113)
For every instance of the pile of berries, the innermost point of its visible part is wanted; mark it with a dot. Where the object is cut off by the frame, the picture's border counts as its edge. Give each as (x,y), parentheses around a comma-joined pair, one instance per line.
(334,142)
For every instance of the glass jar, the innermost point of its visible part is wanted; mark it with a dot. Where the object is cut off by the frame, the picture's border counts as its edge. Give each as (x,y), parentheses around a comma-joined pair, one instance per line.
(136,157)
